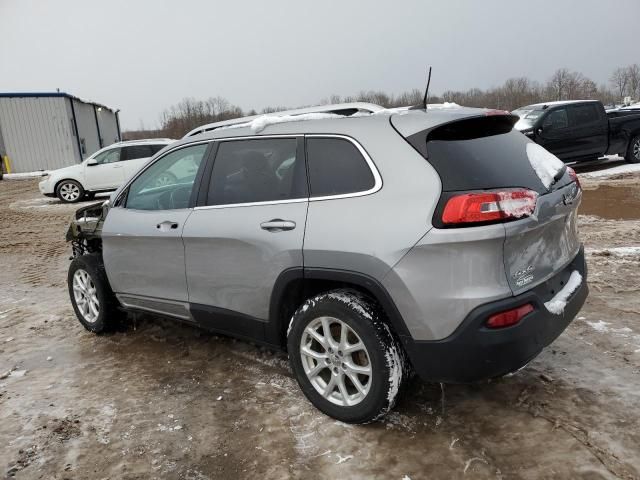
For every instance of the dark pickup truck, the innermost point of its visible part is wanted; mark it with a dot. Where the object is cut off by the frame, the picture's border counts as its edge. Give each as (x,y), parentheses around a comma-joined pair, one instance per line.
(579,130)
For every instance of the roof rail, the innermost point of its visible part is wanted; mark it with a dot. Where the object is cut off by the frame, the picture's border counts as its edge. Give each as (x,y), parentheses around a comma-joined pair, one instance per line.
(148,140)
(345,109)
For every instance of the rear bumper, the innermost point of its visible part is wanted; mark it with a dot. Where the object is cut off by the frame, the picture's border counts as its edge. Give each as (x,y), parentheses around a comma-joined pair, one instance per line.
(474,352)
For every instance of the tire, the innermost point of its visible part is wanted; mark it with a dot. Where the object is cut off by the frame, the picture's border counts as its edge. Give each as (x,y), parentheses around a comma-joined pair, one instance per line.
(88,271)
(69,191)
(633,152)
(382,356)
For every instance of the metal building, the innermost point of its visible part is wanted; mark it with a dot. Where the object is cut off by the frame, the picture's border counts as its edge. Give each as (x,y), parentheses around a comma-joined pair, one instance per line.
(45,131)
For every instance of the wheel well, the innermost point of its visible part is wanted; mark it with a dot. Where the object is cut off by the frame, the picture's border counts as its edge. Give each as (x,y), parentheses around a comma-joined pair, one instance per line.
(298,290)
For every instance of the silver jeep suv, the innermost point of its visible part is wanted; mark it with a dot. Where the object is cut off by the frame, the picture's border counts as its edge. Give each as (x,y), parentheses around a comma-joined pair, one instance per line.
(368,243)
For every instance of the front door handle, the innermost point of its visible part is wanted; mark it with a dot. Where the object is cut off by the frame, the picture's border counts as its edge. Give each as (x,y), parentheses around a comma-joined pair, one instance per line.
(117,166)
(278,225)
(166,226)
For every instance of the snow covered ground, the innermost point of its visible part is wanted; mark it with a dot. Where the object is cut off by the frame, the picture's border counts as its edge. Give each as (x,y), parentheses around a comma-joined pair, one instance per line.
(614,170)
(164,400)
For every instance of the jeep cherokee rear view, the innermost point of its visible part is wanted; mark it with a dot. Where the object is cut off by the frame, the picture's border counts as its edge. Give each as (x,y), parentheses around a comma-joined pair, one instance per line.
(439,241)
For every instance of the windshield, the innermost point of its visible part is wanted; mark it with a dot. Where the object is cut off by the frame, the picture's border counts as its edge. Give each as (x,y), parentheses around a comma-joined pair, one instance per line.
(528,116)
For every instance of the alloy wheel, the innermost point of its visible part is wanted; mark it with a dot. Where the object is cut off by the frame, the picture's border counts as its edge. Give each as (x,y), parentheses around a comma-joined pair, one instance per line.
(86,297)
(70,192)
(336,361)
(636,149)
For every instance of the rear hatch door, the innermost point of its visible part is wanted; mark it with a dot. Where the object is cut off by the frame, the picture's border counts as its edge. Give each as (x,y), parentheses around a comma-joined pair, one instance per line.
(484,153)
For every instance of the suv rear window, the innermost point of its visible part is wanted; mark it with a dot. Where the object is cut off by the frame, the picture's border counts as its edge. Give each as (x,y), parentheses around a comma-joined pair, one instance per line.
(478,153)
(337,167)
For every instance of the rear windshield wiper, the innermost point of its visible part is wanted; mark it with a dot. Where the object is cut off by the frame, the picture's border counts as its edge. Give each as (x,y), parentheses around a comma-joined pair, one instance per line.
(559,175)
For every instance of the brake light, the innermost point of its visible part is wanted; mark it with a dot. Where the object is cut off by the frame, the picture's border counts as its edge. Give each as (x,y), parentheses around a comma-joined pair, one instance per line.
(489,206)
(509,317)
(574,176)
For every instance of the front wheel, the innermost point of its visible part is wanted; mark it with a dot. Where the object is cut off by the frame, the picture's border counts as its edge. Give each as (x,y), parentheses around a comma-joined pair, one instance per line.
(69,191)
(345,358)
(93,300)
(633,153)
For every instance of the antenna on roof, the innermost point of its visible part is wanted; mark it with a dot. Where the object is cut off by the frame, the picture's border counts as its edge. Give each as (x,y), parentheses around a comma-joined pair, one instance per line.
(426,92)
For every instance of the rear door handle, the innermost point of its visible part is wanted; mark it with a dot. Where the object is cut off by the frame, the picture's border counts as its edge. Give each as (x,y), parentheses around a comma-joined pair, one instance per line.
(278,225)
(117,166)
(166,226)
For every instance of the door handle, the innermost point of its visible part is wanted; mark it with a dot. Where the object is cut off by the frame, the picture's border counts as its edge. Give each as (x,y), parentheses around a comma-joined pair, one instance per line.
(166,226)
(117,166)
(278,225)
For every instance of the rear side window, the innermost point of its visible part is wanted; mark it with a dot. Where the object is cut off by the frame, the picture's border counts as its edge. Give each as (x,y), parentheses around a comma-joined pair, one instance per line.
(260,170)
(137,151)
(337,167)
(584,114)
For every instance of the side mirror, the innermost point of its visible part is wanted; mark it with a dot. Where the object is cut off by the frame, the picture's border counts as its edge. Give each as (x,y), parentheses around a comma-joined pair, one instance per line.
(539,131)
(92,162)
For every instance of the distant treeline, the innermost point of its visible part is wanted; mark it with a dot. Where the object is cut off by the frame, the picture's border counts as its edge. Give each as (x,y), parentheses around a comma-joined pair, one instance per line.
(515,92)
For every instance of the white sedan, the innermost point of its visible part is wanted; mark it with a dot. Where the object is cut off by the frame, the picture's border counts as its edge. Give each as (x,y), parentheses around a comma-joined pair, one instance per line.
(103,171)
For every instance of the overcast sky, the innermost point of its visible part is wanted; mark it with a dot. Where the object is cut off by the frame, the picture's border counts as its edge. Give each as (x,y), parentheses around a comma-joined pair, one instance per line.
(143,56)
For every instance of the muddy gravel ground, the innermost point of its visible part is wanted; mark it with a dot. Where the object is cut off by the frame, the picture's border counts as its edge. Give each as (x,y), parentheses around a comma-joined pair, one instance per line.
(164,400)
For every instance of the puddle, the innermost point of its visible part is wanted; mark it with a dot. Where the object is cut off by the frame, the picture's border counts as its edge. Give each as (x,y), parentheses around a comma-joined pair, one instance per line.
(618,203)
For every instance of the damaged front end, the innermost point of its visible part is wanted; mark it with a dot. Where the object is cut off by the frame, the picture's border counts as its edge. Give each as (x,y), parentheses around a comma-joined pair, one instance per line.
(85,229)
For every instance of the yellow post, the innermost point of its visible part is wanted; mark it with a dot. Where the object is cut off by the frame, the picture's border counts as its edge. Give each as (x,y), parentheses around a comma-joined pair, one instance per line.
(7,164)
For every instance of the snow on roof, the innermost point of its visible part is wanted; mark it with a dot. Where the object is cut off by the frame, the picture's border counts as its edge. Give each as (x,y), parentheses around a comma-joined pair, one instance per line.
(263,121)
(634,106)
(358,107)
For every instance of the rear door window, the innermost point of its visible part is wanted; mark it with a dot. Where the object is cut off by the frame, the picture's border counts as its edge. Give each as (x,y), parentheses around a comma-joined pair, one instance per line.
(584,114)
(137,151)
(257,170)
(336,167)
(556,119)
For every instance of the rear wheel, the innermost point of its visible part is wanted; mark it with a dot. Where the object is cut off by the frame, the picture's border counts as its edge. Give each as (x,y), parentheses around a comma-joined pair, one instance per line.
(69,191)
(633,153)
(345,358)
(93,300)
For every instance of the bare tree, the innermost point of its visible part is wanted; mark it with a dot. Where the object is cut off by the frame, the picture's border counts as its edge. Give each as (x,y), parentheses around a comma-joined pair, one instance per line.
(633,80)
(558,84)
(619,80)
(515,92)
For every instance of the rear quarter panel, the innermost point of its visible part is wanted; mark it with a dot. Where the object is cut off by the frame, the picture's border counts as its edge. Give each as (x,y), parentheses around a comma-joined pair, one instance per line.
(370,234)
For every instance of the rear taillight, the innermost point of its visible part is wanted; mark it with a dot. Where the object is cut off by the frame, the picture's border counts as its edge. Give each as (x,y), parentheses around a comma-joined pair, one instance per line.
(574,176)
(509,317)
(490,206)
